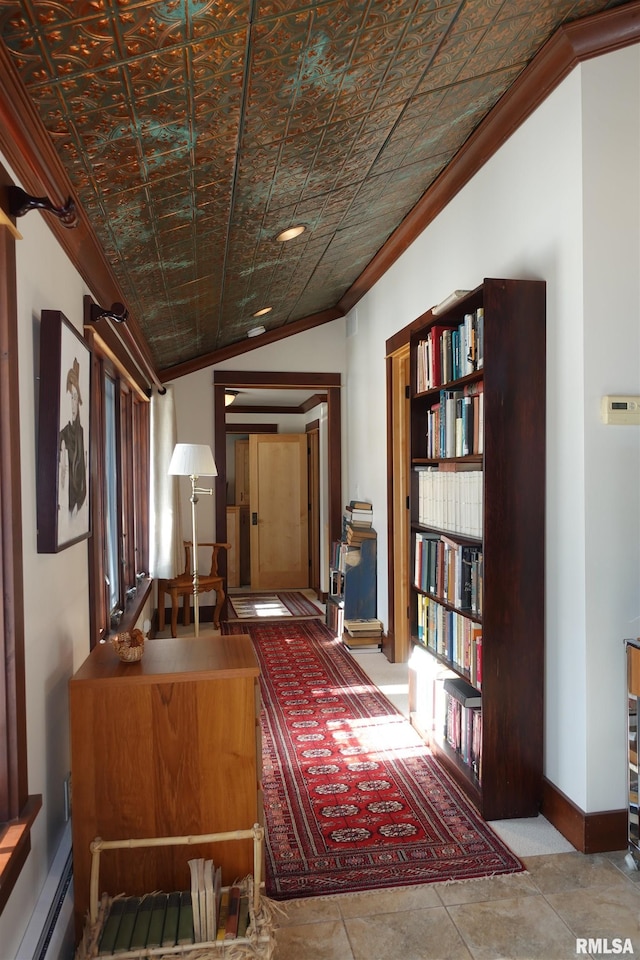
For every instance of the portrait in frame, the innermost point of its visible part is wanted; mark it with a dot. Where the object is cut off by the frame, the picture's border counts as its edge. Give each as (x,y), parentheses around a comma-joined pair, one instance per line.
(63,512)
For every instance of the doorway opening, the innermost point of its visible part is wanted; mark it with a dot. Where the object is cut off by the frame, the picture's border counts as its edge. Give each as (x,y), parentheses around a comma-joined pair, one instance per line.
(323,441)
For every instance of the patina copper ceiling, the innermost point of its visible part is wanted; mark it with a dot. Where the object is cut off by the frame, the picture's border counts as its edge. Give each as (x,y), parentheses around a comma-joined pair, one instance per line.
(193,131)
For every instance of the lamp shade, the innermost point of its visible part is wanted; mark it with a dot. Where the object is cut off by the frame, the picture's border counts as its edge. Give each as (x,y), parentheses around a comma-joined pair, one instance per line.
(192,460)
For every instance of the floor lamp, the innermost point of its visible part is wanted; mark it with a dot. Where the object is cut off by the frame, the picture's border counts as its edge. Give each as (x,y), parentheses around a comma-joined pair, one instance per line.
(193,460)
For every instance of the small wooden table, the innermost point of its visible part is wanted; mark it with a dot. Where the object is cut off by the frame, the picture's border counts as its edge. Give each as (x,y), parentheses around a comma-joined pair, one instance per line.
(168,746)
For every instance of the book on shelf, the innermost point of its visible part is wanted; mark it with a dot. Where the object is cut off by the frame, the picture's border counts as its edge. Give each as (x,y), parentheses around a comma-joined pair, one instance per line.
(185,919)
(360,505)
(156,924)
(205,898)
(364,626)
(111,927)
(127,923)
(222,914)
(356,535)
(449,301)
(467,695)
(140,934)
(243,916)
(233,913)
(358,518)
(171,917)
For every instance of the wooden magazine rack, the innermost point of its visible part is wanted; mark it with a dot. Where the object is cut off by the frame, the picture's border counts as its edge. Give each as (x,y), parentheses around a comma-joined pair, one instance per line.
(257,944)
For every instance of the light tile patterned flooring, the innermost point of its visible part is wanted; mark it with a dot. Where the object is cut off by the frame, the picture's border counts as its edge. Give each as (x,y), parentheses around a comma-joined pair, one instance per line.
(543,914)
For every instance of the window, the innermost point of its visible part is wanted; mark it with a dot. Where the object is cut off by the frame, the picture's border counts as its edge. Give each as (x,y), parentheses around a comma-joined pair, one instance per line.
(120,483)
(17,808)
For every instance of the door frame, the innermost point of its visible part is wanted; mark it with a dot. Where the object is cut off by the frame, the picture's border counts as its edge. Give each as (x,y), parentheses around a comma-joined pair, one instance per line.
(326,383)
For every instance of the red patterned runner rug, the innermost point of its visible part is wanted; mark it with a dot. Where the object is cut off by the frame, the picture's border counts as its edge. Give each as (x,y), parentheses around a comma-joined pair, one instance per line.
(353,798)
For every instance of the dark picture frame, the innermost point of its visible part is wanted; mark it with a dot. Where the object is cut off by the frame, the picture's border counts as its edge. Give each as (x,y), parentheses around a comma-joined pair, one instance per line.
(63,513)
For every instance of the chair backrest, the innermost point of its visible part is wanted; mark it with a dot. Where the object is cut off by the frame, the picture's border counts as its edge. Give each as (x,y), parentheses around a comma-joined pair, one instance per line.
(215,549)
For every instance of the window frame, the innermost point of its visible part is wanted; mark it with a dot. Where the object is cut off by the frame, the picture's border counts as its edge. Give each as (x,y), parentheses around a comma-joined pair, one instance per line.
(18,809)
(133,471)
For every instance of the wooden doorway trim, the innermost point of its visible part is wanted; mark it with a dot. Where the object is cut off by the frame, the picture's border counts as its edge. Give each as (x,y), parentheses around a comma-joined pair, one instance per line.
(321,383)
(397,643)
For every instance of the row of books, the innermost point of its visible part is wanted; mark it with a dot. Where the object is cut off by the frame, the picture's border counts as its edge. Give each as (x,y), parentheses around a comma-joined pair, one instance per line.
(450,500)
(448,353)
(450,570)
(455,424)
(463,725)
(452,635)
(164,920)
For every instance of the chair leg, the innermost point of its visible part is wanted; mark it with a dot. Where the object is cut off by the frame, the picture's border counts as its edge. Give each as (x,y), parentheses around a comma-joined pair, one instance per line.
(218,607)
(161,615)
(174,614)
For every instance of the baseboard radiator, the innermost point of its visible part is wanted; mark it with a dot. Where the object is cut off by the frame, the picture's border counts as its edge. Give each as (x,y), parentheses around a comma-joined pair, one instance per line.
(50,933)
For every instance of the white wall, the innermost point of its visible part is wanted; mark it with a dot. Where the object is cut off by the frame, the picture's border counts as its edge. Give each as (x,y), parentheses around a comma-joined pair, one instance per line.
(558,202)
(56,603)
(536,211)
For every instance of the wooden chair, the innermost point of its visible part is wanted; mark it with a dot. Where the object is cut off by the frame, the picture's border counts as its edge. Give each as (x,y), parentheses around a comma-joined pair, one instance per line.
(182,586)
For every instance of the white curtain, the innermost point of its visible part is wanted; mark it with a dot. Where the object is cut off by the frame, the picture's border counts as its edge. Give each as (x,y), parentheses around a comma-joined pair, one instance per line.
(166,556)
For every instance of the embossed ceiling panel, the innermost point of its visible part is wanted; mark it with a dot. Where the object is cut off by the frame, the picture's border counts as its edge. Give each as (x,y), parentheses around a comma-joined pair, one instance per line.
(193,131)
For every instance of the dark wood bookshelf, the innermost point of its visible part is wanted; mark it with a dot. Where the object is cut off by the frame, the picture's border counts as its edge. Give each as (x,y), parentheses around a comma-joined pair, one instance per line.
(513,483)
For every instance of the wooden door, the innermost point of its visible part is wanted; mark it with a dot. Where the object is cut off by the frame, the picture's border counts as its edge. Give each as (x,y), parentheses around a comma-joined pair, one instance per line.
(279,511)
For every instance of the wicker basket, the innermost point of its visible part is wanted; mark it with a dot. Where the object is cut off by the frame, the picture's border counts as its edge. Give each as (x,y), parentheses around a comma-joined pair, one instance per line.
(129,646)
(258,944)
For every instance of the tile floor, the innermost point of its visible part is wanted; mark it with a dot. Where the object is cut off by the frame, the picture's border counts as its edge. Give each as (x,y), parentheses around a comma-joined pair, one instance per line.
(536,915)
(562,898)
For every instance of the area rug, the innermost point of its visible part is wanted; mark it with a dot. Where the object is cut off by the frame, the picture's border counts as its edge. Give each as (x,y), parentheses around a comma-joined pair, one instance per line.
(271,606)
(353,798)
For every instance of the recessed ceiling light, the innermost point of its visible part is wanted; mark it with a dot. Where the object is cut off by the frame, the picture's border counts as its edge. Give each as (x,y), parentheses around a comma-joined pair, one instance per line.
(290,233)
(256,331)
(261,313)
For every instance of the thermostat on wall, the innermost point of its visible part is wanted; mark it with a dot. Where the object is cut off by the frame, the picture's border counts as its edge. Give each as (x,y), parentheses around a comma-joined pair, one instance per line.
(621,410)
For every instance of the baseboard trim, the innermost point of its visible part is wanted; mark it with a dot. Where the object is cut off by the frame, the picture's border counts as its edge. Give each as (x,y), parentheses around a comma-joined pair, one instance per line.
(599,832)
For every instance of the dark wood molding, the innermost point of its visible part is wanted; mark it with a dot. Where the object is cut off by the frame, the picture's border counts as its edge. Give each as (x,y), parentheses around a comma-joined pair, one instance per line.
(388,641)
(252,427)
(252,343)
(298,408)
(283,380)
(569,46)
(600,832)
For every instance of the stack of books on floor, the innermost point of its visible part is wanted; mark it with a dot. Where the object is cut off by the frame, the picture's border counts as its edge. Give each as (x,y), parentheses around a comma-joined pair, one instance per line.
(358,522)
(206,913)
(363,632)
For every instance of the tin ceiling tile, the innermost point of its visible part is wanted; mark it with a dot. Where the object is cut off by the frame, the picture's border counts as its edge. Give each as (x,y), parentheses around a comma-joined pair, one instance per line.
(193,132)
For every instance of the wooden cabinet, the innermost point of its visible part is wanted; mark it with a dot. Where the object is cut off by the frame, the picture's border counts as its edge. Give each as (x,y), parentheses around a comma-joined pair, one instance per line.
(477,539)
(169,746)
(238,555)
(352,584)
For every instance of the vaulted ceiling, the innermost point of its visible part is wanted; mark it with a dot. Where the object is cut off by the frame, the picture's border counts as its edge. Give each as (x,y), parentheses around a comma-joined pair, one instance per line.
(193,131)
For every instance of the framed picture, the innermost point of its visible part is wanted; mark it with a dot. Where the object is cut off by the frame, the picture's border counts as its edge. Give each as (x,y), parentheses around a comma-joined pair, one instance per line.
(63,435)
